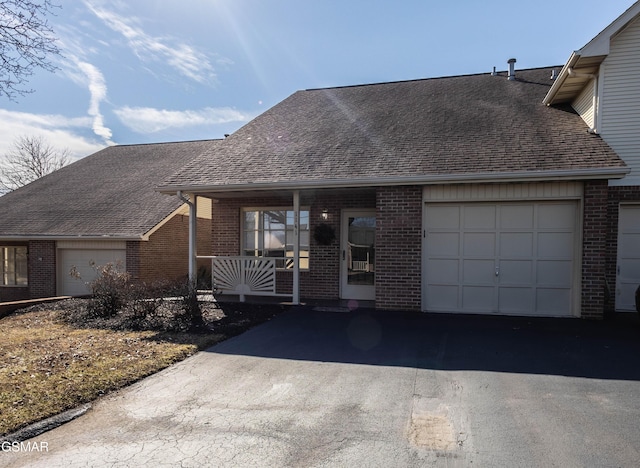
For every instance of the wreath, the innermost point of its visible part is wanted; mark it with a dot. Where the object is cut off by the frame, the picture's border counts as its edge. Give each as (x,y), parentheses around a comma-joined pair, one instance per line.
(324,234)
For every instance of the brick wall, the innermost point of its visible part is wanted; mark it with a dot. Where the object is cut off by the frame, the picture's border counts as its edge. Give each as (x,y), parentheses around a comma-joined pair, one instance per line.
(42,269)
(594,249)
(398,248)
(14,293)
(165,256)
(616,195)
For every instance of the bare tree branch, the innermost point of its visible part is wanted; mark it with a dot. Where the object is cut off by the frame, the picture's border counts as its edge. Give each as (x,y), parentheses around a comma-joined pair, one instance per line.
(26,43)
(31,158)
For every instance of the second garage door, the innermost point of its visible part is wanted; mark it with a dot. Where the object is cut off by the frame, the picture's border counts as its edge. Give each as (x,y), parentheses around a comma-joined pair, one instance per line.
(500,258)
(82,260)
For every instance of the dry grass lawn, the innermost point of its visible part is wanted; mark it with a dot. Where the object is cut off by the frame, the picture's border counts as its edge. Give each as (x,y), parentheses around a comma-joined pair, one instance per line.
(48,365)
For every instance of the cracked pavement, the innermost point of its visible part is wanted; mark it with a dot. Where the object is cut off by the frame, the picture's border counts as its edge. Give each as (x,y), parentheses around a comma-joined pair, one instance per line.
(339,389)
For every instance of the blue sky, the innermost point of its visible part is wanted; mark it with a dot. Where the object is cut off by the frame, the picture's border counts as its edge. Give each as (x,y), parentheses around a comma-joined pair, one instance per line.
(166,70)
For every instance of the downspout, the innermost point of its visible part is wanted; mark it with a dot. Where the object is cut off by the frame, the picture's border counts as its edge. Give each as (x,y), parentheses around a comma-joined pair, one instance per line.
(193,219)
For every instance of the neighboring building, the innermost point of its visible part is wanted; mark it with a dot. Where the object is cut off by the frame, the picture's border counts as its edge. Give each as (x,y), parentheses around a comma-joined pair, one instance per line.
(100,209)
(463,194)
(601,81)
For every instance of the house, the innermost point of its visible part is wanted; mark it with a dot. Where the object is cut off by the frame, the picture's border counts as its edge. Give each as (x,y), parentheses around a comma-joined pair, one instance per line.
(461,194)
(601,82)
(100,209)
(515,192)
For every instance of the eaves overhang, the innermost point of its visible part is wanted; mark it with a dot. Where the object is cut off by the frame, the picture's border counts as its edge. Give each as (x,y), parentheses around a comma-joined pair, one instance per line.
(574,76)
(59,237)
(463,178)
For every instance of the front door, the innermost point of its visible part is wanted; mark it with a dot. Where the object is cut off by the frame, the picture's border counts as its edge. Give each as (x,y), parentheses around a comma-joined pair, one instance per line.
(358,259)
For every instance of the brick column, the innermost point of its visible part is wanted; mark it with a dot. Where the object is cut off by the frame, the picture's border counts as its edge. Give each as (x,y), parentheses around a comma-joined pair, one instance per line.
(594,247)
(42,269)
(133,259)
(399,248)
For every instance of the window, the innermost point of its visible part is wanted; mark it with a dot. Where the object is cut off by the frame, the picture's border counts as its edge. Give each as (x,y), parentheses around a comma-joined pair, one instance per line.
(269,233)
(13,266)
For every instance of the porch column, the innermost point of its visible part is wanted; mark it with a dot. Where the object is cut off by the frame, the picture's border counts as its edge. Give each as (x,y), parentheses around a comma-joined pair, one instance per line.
(296,247)
(193,238)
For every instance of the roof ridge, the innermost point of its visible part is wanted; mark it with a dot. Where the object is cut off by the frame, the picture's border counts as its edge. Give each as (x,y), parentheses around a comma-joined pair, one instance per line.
(165,143)
(429,79)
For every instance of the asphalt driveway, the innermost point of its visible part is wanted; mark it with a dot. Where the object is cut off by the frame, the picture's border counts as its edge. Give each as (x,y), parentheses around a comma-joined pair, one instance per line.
(359,389)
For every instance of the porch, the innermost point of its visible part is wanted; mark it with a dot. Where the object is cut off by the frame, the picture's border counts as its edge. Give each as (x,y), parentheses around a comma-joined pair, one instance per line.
(321,245)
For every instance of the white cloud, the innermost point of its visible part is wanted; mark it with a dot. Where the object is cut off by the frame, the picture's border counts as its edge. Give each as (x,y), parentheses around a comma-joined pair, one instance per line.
(187,60)
(98,90)
(59,131)
(150,120)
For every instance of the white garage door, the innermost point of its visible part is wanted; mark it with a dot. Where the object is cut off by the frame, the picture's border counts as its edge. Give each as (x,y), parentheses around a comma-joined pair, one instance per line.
(82,259)
(628,267)
(500,258)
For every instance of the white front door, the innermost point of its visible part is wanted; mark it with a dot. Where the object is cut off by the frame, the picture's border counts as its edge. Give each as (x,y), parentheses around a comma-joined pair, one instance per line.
(500,258)
(357,265)
(628,267)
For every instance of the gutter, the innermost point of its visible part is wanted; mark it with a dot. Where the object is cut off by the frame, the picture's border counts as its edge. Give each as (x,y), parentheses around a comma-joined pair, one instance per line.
(489,177)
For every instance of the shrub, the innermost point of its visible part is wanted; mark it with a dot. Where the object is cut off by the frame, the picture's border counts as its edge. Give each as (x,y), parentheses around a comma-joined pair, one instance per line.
(131,305)
(187,294)
(110,291)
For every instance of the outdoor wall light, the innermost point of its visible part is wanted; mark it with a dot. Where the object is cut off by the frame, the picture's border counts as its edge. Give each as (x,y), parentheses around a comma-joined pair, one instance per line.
(325,214)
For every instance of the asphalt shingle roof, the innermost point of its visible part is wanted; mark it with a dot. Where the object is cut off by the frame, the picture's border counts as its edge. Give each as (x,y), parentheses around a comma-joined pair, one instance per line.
(432,127)
(109,193)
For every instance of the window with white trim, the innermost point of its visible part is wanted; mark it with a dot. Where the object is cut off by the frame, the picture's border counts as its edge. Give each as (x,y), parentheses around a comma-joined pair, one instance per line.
(13,266)
(268,232)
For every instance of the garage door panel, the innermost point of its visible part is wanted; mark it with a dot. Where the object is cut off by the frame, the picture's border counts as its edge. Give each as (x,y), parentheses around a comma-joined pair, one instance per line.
(480,217)
(516,244)
(631,268)
(553,301)
(628,290)
(517,301)
(444,217)
(444,244)
(516,217)
(441,297)
(515,272)
(478,271)
(555,272)
(630,243)
(556,244)
(445,270)
(478,299)
(479,244)
(557,216)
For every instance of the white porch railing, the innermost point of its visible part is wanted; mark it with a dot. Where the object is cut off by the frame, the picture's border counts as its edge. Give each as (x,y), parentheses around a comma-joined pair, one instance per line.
(252,276)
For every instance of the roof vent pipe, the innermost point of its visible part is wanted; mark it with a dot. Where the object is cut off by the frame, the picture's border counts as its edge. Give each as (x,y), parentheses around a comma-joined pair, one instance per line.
(512,73)
(494,72)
